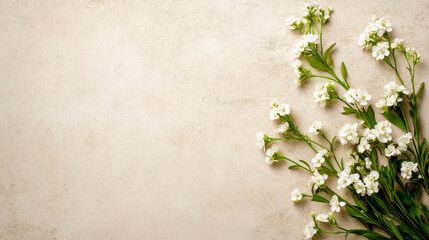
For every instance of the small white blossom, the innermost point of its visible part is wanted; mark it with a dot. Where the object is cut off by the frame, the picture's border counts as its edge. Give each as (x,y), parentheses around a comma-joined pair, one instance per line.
(397,43)
(310,38)
(319,158)
(392,96)
(363,145)
(335,204)
(403,141)
(323,217)
(310,230)
(407,169)
(260,142)
(296,195)
(315,127)
(282,128)
(371,188)
(278,109)
(371,177)
(383,130)
(349,133)
(380,50)
(373,32)
(360,187)
(317,180)
(270,159)
(322,93)
(368,163)
(391,150)
(357,96)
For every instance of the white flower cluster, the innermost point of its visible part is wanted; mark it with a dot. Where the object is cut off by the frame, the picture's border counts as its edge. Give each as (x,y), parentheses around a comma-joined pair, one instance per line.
(296,195)
(397,43)
(380,50)
(368,186)
(319,158)
(270,158)
(403,142)
(357,96)
(317,180)
(407,169)
(295,22)
(374,31)
(382,131)
(304,43)
(349,133)
(391,151)
(278,109)
(315,127)
(323,217)
(282,128)
(392,96)
(324,92)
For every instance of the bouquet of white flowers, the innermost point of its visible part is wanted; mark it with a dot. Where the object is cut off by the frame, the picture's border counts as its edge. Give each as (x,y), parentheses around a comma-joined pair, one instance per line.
(385,176)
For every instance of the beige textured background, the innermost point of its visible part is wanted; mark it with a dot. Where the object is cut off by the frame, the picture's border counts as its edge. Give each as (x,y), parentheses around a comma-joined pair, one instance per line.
(136,119)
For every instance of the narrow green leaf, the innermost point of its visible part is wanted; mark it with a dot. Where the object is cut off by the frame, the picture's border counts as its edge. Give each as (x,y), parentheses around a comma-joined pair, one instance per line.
(359,202)
(315,63)
(318,198)
(348,111)
(394,229)
(305,163)
(419,92)
(368,234)
(343,71)
(370,115)
(328,51)
(358,215)
(395,120)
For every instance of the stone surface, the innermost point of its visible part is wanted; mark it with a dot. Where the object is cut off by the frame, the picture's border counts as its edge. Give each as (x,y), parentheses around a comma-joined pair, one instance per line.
(136,119)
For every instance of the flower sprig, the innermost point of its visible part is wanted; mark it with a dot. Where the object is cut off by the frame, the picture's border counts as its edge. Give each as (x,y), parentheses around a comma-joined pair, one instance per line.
(385,193)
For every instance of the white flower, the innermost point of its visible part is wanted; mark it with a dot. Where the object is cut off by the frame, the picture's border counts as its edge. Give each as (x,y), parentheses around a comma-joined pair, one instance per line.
(283,109)
(323,217)
(363,145)
(383,131)
(404,141)
(300,47)
(322,92)
(371,188)
(319,158)
(380,50)
(368,163)
(277,109)
(407,169)
(315,127)
(317,180)
(392,96)
(310,38)
(335,204)
(357,96)
(297,64)
(391,150)
(260,142)
(296,195)
(294,22)
(312,3)
(349,133)
(374,31)
(310,230)
(396,43)
(269,159)
(274,103)
(371,177)
(360,187)
(272,150)
(282,128)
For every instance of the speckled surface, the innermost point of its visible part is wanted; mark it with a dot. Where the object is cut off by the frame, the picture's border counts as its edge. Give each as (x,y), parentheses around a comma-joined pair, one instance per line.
(136,119)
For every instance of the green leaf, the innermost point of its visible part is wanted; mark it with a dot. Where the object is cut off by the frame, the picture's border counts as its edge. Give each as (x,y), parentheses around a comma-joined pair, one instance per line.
(343,71)
(359,202)
(348,111)
(405,198)
(304,162)
(368,234)
(318,198)
(371,116)
(395,120)
(356,214)
(374,156)
(328,51)
(315,63)
(395,230)
(419,92)
(379,204)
